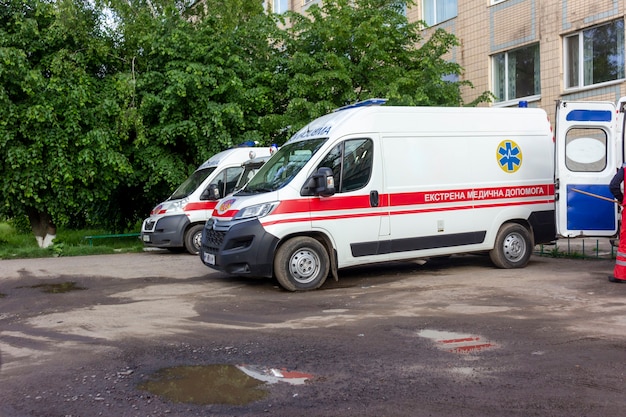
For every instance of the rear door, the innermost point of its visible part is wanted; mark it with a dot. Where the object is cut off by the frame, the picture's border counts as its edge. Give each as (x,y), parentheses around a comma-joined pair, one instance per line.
(586,160)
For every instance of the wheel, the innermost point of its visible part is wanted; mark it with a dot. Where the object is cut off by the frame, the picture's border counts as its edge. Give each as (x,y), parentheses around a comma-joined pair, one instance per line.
(193,239)
(513,247)
(301,264)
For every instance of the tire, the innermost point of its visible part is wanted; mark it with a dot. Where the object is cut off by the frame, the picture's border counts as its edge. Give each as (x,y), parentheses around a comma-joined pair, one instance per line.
(301,264)
(513,247)
(193,239)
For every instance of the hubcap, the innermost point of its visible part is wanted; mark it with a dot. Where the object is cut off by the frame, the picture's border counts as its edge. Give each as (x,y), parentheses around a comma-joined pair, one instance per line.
(514,247)
(304,265)
(197,240)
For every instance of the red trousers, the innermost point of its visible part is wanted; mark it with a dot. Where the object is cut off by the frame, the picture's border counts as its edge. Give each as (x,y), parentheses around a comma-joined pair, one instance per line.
(619,273)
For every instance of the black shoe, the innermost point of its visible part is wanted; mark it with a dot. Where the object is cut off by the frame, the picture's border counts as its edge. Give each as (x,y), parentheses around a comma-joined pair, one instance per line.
(616,280)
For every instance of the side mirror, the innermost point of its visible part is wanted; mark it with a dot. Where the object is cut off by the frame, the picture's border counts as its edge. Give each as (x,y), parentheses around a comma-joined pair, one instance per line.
(322,184)
(212,193)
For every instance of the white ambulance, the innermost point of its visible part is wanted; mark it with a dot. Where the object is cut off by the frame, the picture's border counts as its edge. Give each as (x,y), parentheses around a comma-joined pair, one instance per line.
(372,183)
(176,224)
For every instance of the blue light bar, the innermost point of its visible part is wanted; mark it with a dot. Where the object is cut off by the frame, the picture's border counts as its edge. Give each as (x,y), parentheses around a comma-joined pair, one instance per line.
(364,103)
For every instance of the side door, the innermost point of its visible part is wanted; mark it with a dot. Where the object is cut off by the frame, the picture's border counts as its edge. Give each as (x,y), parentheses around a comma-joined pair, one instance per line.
(357,214)
(586,159)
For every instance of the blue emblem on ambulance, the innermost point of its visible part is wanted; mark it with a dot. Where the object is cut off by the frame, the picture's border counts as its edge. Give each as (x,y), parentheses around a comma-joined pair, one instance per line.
(509,156)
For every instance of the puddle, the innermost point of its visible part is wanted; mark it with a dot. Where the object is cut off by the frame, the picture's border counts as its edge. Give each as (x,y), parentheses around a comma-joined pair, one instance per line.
(457,342)
(58,288)
(218,384)
(208,384)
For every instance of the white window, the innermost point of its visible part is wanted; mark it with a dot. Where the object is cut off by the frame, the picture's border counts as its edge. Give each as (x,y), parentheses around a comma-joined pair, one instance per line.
(437,11)
(594,55)
(281,6)
(516,73)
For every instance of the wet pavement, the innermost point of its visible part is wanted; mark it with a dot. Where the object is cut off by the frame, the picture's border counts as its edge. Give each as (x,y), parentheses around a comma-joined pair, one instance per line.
(160,334)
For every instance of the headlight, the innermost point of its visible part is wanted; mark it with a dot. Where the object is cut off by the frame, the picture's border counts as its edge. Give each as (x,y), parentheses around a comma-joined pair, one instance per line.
(260,210)
(178,206)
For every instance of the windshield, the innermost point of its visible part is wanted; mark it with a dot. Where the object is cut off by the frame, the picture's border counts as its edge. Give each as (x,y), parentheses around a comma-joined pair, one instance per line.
(191,183)
(283,166)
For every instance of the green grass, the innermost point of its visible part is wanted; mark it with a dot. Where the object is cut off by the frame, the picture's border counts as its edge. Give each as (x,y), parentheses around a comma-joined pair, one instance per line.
(16,245)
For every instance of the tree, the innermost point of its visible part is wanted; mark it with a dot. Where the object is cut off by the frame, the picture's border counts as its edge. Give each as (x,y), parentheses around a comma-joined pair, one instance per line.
(58,133)
(344,51)
(109,104)
(199,88)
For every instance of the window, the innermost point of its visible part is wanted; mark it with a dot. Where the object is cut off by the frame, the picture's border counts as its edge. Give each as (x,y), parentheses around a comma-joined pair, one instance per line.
(351,162)
(227,179)
(285,164)
(437,11)
(595,55)
(585,150)
(281,6)
(516,73)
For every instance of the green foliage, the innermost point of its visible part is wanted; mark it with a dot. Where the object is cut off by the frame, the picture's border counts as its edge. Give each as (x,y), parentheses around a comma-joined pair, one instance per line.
(63,154)
(344,51)
(196,88)
(109,104)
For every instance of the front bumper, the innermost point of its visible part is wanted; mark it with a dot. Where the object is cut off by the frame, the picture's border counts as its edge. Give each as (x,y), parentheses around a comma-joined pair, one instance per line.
(238,248)
(165,232)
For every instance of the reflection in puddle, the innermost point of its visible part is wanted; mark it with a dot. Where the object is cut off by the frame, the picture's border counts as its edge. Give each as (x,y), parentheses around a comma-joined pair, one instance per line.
(209,384)
(457,342)
(58,288)
(273,375)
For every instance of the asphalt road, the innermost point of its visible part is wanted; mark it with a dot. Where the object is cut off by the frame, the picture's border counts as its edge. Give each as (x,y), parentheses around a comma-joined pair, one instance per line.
(105,335)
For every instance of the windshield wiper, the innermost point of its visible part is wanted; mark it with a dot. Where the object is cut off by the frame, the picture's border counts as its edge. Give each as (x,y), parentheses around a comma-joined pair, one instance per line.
(262,188)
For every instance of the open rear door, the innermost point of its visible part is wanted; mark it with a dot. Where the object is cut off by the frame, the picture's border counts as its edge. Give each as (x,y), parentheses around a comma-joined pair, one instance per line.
(586,160)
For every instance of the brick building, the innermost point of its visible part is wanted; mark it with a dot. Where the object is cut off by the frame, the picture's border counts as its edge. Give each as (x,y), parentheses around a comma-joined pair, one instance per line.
(537,51)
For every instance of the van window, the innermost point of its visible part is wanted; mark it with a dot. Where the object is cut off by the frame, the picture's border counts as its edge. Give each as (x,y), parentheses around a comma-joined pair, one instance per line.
(586,150)
(192,183)
(227,179)
(351,162)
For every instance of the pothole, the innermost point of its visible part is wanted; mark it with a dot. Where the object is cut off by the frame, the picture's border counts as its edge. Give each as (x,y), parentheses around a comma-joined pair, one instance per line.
(217,384)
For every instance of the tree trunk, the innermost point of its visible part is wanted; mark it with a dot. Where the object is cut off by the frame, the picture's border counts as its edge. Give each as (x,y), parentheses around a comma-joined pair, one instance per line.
(42,226)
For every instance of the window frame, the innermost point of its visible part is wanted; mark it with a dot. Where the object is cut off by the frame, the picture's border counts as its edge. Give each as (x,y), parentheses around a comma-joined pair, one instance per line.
(434,12)
(580,66)
(507,94)
(280,4)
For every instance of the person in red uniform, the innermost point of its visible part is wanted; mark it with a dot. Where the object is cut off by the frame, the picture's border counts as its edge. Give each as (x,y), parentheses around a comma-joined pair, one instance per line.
(615,186)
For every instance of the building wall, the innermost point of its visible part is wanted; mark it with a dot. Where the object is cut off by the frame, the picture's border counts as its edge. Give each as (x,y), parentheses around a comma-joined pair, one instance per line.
(485,29)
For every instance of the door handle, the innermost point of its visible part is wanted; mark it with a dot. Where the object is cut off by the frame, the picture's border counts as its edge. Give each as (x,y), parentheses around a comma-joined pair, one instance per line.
(374,198)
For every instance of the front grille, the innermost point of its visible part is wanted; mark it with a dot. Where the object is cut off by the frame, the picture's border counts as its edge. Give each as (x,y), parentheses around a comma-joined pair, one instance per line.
(212,240)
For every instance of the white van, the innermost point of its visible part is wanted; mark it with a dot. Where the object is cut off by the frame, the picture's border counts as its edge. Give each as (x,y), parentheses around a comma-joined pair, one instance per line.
(177,223)
(368,184)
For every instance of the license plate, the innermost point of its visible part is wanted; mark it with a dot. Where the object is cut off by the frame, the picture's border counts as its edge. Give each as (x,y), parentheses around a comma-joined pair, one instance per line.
(146,238)
(209,258)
